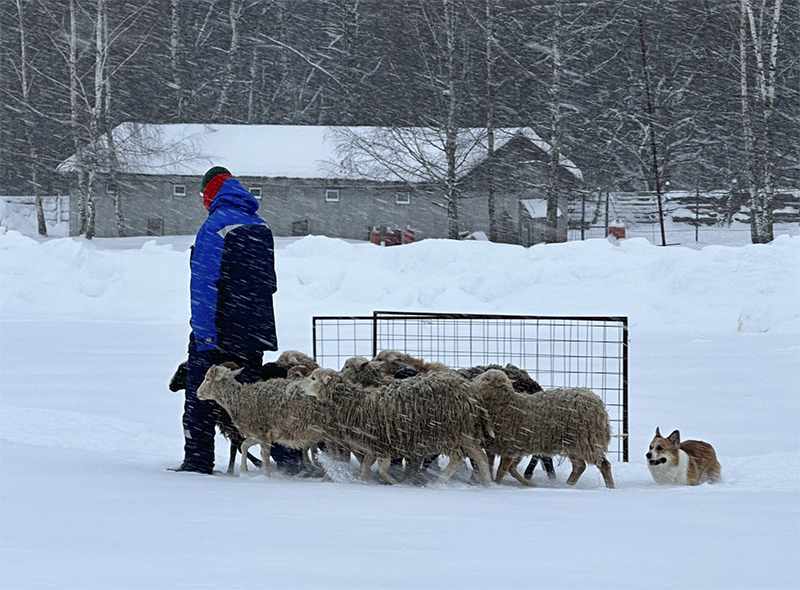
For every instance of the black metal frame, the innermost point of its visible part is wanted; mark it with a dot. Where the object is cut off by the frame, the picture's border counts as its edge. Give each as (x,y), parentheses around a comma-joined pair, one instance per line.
(557,351)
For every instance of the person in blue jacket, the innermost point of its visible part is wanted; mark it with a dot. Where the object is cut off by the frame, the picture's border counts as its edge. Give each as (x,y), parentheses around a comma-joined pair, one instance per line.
(232,316)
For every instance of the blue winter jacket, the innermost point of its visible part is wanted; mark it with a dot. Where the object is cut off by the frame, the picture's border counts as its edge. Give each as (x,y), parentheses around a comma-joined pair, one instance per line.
(233,276)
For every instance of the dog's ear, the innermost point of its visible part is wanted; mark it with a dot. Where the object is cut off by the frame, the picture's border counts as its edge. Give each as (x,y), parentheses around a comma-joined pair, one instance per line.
(675,438)
(658,432)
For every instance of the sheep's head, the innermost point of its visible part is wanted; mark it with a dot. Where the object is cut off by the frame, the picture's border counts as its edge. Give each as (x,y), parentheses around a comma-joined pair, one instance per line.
(316,383)
(298,372)
(217,374)
(490,381)
(292,358)
(365,372)
(521,380)
(395,360)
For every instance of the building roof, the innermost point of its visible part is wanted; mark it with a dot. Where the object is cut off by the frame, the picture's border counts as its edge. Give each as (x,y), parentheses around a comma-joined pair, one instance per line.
(302,151)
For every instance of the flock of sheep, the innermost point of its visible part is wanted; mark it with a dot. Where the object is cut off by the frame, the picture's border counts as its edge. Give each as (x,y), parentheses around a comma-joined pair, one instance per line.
(397,408)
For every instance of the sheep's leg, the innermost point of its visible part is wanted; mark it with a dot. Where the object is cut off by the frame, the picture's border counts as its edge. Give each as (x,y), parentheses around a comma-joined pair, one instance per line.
(232,459)
(502,469)
(455,461)
(605,469)
(413,470)
(480,463)
(246,444)
(266,451)
(512,470)
(490,459)
(366,463)
(383,469)
(578,467)
(547,463)
(531,466)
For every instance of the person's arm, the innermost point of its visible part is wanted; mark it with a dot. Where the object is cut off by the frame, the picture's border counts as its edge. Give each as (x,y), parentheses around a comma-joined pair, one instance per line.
(205,265)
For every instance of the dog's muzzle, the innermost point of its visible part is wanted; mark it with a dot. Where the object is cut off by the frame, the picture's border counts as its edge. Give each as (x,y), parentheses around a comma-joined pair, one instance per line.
(659,461)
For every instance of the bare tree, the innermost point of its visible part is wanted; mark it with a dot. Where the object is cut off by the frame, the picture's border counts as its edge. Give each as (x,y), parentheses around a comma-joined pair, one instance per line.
(759,33)
(29,123)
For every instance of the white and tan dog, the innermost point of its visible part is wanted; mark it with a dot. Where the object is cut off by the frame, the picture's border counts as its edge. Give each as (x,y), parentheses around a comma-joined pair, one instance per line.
(672,462)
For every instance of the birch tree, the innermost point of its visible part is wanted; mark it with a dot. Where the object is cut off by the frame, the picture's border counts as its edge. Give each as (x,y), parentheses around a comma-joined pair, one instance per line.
(759,33)
(25,81)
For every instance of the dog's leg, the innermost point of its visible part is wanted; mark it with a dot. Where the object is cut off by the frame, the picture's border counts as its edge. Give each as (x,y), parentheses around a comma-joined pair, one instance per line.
(512,471)
(605,469)
(383,469)
(578,467)
(502,469)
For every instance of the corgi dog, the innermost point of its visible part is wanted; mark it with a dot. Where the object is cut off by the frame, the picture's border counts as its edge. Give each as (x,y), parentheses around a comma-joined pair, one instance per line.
(691,462)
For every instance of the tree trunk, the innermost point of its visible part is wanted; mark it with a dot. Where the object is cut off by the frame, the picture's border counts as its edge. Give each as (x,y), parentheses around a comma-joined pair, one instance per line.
(235,13)
(29,123)
(451,129)
(553,184)
(174,53)
(493,233)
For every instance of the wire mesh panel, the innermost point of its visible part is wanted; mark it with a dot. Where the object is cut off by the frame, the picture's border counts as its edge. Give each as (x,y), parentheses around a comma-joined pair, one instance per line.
(556,351)
(337,338)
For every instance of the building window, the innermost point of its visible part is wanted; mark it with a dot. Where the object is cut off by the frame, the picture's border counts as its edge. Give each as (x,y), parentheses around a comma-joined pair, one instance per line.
(178,190)
(155,226)
(255,191)
(300,228)
(332,195)
(403,199)
(110,188)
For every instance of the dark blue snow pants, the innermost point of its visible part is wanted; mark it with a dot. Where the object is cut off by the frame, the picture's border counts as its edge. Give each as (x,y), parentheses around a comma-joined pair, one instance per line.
(200,417)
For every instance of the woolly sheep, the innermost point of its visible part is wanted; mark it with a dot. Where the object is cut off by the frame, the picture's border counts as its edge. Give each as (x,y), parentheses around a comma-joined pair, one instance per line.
(223,421)
(412,418)
(395,360)
(569,421)
(292,358)
(365,372)
(277,410)
(523,383)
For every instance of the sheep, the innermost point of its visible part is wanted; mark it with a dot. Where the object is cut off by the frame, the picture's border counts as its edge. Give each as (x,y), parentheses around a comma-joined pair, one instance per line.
(523,383)
(223,421)
(365,373)
(416,417)
(568,421)
(395,361)
(277,410)
(292,358)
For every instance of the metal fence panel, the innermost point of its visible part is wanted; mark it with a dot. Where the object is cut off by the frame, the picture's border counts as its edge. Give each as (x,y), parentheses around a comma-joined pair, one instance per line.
(557,351)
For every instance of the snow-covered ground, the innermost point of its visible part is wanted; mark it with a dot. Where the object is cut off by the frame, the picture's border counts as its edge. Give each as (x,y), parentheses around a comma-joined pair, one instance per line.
(90,333)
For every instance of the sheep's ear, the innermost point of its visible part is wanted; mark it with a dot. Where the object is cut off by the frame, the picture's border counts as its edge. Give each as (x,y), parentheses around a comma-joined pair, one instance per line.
(658,432)
(675,438)
(237,371)
(326,378)
(212,373)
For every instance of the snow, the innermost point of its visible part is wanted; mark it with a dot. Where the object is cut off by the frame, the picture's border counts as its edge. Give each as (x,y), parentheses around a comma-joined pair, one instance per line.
(91,332)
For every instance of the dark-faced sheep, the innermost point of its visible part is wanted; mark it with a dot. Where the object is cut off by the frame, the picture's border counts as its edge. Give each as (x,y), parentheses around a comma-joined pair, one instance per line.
(572,422)
(278,410)
(412,418)
(395,361)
